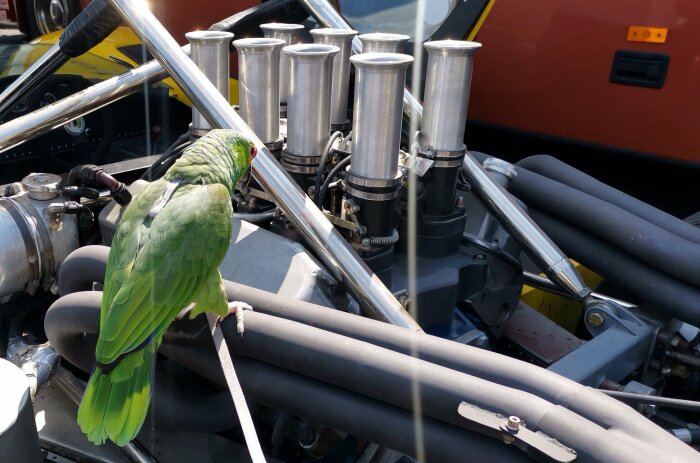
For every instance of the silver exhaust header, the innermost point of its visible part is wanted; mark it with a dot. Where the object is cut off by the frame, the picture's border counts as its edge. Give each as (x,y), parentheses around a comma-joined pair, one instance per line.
(341,38)
(380,42)
(210,51)
(290,34)
(446,99)
(376,121)
(309,105)
(258,86)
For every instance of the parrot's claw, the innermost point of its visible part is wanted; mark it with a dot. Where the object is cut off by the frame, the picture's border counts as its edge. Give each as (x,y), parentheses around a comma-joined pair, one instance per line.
(237,308)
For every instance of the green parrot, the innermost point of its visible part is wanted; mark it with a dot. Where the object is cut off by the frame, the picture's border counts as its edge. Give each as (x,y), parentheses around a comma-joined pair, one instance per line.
(165,255)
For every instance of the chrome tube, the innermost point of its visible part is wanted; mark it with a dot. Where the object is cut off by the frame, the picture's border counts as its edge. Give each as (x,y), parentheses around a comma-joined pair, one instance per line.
(446,96)
(309,103)
(211,52)
(326,15)
(341,38)
(538,245)
(376,300)
(258,85)
(28,126)
(379,42)
(376,117)
(290,34)
(31,78)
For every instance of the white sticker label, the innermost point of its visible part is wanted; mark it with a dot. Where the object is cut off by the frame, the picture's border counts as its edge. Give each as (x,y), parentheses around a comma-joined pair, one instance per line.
(419,165)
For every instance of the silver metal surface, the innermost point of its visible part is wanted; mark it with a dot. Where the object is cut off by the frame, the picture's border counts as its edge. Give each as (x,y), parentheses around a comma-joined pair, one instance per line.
(290,34)
(376,300)
(211,52)
(30,78)
(31,245)
(380,42)
(545,284)
(545,253)
(376,121)
(447,82)
(326,15)
(309,102)
(504,168)
(23,128)
(341,38)
(42,186)
(258,85)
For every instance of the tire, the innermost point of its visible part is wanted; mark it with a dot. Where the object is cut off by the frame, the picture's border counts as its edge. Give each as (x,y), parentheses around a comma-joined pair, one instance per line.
(44,16)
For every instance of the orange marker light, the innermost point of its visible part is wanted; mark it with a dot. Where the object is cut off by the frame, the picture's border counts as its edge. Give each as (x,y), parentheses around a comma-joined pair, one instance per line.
(647,34)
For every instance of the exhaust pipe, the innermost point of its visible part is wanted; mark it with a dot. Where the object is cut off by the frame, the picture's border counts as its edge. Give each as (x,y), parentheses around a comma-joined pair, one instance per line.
(341,38)
(290,34)
(210,52)
(309,105)
(376,121)
(258,87)
(379,42)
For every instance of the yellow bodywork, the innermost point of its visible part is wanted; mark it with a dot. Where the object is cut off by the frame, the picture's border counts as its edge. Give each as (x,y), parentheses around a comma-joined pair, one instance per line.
(101,62)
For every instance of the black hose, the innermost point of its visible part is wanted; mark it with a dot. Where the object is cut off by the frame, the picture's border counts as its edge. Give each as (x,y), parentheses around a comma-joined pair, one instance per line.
(487,365)
(72,324)
(355,414)
(657,289)
(158,168)
(322,163)
(338,167)
(556,170)
(651,244)
(381,375)
(82,268)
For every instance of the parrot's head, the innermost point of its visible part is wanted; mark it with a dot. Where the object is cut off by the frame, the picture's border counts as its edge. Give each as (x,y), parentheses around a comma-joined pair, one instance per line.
(242,151)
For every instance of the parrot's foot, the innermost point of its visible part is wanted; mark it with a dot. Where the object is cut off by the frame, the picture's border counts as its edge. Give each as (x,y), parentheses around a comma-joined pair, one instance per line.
(236,308)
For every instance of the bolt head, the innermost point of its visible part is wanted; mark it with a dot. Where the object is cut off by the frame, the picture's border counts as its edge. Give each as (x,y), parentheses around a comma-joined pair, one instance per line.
(595,319)
(513,424)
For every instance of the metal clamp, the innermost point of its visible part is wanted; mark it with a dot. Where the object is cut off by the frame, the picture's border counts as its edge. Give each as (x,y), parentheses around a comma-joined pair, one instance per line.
(301,164)
(391,187)
(513,431)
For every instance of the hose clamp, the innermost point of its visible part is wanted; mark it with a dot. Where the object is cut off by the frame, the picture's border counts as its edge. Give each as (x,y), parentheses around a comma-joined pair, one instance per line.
(441,158)
(301,164)
(372,189)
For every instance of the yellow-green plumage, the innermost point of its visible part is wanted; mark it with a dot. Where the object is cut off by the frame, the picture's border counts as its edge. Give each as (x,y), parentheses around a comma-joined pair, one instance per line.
(157,267)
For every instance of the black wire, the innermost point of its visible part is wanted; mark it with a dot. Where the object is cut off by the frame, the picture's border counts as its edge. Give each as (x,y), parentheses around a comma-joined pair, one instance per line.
(174,150)
(329,179)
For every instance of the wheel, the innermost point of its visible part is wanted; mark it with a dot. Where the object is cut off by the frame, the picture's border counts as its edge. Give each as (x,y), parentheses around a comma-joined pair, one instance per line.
(44,16)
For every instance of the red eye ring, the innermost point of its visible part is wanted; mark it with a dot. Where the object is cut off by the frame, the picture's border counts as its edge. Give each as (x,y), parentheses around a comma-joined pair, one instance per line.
(253,151)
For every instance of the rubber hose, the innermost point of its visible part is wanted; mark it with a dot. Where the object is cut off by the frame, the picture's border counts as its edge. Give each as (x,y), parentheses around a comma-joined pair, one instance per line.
(375,372)
(651,244)
(556,170)
(76,315)
(650,285)
(491,366)
(82,268)
(338,167)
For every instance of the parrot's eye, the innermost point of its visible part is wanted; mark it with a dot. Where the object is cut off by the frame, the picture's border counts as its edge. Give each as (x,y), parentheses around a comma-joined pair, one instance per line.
(253,152)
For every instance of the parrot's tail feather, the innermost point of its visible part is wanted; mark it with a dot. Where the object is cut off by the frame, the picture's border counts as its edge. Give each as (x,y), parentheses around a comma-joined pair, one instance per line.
(116,410)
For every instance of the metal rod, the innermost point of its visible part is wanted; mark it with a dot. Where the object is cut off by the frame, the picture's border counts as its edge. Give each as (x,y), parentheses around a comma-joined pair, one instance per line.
(258,85)
(326,15)
(341,38)
(446,98)
(669,402)
(546,254)
(380,42)
(309,102)
(31,78)
(23,128)
(375,299)
(545,284)
(211,52)
(376,119)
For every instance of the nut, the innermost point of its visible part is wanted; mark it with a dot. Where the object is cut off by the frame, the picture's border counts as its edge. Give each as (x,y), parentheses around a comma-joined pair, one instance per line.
(595,319)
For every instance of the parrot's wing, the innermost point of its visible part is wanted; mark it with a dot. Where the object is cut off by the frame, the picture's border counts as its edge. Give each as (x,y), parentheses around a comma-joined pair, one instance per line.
(185,243)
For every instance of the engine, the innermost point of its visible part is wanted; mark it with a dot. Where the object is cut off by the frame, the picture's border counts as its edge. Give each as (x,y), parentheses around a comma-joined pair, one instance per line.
(364,213)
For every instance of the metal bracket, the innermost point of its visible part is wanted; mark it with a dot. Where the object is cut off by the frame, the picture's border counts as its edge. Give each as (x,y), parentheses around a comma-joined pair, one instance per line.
(512,431)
